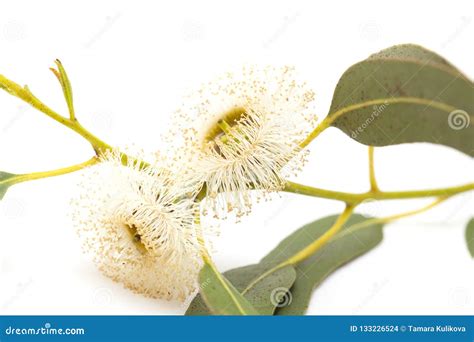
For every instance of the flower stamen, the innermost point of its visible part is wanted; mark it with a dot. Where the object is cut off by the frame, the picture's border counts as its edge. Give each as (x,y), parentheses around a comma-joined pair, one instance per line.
(247,150)
(138,225)
(225,124)
(136,238)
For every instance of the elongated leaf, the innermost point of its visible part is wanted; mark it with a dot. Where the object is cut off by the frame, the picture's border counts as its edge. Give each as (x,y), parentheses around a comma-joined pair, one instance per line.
(5,182)
(63,79)
(405,94)
(356,237)
(263,295)
(470,237)
(221,296)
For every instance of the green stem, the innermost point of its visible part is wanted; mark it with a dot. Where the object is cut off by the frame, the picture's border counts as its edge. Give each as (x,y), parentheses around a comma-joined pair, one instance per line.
(314,246)
(317,131)
(354,198)
(373,181)
(308,250)
(201,241)
(331,117)
(388,219)
(52,173)
(207,259)
(26,95)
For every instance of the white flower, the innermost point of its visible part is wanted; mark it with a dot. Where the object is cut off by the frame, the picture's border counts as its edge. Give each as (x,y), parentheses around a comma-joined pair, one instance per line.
(138,225)
(243,132)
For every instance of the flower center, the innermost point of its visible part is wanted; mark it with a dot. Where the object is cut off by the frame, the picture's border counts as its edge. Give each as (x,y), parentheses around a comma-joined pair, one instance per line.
(223,130)
(223,126)
(136,238)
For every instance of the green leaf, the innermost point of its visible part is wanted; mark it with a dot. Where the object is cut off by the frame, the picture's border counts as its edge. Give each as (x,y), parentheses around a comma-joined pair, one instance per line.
(405,94)
(5,182)
(63,79)
(262,288)
(220,295)
(263,295)
(357,237)
(470,237)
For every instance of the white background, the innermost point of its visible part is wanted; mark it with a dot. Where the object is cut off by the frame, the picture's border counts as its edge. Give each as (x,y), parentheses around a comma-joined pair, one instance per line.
(131,63)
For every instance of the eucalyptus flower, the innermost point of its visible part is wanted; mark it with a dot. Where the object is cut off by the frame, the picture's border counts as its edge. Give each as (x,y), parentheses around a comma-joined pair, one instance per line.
(242,132)
(138,225)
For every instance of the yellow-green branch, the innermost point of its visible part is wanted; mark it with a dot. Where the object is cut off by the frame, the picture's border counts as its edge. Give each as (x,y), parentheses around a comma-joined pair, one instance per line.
(373,181)
(26,95)
(314,246)
(388,219)
(354,198)
(309,250)
(331,235)
(328,120)
(46,174)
